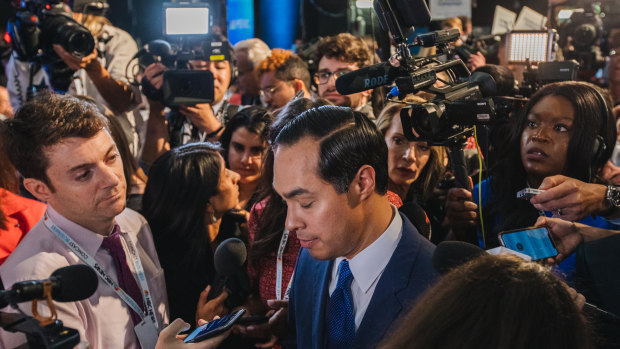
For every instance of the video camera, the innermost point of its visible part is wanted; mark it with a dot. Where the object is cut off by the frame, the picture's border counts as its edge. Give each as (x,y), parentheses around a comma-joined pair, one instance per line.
(487,45)
(580,38)
(188,28)
(39,24)
(462,102)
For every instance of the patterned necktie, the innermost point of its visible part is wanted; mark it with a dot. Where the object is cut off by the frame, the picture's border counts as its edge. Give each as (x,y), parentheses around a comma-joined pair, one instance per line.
(126,281)
(340,319)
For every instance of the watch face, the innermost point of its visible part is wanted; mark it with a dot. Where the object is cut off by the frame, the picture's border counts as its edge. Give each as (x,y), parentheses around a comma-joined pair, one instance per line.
(613,196)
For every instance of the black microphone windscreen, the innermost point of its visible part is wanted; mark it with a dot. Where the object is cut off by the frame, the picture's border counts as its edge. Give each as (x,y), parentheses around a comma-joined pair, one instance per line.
(485,83)
(451,254)
(366,78)
(504,78)
(76,282)
(229,256)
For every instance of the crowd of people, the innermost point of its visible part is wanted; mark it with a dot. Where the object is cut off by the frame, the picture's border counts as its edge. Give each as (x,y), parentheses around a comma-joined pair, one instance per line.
(339,210)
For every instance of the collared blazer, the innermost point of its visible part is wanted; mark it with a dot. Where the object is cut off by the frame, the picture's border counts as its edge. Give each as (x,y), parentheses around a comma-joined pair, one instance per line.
(407,275)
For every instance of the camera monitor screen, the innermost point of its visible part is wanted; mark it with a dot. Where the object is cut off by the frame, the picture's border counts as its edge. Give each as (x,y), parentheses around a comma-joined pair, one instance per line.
(186,20)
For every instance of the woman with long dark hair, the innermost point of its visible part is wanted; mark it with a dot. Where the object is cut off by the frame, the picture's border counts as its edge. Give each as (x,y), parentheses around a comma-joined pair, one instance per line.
(565,129)
(244,142)
(188,192)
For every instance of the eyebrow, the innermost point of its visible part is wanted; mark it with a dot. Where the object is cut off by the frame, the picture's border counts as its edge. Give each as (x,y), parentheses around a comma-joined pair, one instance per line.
(89,164)
(295,192)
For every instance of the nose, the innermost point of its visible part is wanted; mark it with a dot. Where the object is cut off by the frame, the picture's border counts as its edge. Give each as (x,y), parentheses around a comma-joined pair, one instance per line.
(293,221)
(234,176)
(541,135)
(410,153)
(110,177)
(246,159)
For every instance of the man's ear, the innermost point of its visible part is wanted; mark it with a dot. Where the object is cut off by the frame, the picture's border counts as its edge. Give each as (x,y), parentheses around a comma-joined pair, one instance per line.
(38,188)
(298,85)
(364,182)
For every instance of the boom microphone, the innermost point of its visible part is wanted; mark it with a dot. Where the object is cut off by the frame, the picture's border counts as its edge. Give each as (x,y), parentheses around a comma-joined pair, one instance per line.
(367,78)
(229,257)
(69,284)
(451,254)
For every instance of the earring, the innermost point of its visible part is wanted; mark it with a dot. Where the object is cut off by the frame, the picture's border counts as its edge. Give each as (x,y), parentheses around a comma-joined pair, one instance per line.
(213,218)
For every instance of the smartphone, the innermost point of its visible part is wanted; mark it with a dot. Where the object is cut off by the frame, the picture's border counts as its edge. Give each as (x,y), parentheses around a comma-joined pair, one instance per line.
(534,242)
(251,320)
(215,327)
(527,193)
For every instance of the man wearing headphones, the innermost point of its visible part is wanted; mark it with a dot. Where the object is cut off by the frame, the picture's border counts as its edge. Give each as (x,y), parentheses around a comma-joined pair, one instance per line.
(200,122)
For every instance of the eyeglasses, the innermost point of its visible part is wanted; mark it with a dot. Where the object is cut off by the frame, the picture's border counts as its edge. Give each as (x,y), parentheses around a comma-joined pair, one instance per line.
(323,77)
(268,92)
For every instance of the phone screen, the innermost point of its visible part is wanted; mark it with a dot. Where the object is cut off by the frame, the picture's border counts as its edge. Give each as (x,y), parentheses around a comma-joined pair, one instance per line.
(213,328)
(534,242)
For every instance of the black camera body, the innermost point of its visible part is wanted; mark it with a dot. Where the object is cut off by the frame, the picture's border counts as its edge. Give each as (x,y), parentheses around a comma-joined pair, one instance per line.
(39,24)
(182,85)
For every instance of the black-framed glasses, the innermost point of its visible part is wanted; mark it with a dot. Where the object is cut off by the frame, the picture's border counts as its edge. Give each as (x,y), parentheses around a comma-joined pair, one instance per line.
(324,76)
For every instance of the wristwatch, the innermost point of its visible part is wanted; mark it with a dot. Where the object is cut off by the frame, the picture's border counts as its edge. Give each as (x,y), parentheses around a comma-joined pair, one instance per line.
(613,197)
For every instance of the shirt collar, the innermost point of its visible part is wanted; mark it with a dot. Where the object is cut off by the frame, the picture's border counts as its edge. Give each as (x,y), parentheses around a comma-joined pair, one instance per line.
(369,264)
(87,239)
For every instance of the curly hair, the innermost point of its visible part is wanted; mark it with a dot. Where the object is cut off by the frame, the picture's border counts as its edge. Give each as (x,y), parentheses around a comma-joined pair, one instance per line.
(347,48)
(286,65)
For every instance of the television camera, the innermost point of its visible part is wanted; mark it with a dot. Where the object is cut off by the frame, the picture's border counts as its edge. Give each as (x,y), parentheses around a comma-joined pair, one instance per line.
(188,28)
(39,24)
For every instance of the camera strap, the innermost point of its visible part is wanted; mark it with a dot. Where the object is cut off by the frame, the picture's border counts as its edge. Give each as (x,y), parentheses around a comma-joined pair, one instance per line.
(90,261)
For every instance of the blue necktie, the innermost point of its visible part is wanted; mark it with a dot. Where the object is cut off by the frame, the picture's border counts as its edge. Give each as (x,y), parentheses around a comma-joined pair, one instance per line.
(340,319)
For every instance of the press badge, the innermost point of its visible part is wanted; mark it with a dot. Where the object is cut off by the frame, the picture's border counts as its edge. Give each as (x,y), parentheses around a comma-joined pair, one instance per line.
(147,334)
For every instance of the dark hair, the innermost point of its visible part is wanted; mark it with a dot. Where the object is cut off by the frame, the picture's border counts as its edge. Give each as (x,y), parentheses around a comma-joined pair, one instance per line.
(494,302)
(255,118)
(270,223)
(286,65)
(181,182)
(42,122)
(347,48)
(348,140)
(592,119)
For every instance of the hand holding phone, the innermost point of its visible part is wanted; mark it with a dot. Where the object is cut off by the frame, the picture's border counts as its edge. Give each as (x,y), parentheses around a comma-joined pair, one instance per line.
(534,242)
(215,327)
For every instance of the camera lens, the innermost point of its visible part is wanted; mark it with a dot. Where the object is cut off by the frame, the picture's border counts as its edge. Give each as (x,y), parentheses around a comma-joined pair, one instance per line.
(75,39)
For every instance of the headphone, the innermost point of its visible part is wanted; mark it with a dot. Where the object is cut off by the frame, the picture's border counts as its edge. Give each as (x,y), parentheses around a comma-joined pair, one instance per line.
(599,148)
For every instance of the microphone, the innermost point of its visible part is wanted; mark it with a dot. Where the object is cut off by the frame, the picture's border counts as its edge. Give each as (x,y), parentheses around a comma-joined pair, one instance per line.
(228,258)
(437,37)
(367,78)
(451,254)
(69,284)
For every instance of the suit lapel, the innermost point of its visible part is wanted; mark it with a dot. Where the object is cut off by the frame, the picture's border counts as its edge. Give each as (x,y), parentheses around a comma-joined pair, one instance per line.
(387,301)
(320,294)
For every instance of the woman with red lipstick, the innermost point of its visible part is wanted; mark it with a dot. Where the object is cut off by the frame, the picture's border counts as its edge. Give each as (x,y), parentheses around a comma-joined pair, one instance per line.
(565,129)
(244,142)
(414,168)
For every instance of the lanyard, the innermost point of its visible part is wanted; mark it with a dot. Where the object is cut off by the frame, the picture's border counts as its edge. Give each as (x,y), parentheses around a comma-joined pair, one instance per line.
(283,241)
(77,249)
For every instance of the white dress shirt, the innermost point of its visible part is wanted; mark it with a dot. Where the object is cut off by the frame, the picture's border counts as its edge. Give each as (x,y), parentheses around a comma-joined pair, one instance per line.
(368,266)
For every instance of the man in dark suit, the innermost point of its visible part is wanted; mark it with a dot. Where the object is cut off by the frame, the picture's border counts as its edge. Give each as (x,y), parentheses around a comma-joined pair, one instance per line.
(362,263)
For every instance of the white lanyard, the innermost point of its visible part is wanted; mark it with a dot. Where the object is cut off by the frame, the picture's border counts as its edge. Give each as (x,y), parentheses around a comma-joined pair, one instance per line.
(77,249)
(283,241)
